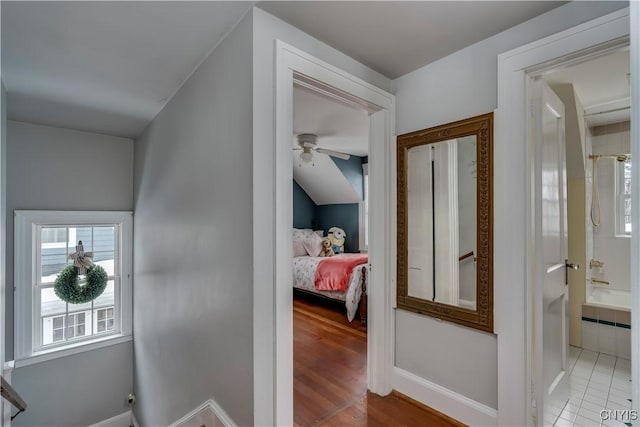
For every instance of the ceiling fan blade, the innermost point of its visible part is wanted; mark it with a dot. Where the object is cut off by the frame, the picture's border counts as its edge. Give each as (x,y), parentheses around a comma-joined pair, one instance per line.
(343,156)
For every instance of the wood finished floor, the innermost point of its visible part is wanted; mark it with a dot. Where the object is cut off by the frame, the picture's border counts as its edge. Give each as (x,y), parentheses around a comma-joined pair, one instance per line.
(329,384)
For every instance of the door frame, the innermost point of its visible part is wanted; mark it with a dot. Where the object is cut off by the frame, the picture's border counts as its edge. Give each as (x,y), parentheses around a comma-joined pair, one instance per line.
(516,263)
(295,66)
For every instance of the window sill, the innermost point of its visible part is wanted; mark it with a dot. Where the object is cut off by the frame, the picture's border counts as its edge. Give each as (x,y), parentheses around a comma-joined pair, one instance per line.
(81,347)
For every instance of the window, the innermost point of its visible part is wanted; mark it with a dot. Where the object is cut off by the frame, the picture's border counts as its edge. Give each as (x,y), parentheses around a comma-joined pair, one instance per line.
(364,210)
(44,240)
(105,320)
(624,197)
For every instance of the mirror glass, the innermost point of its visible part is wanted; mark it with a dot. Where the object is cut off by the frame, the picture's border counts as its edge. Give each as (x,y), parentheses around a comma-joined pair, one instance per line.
(442,204)
(445,222)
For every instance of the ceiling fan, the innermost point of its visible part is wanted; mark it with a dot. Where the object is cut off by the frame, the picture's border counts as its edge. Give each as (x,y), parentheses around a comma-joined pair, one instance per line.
(308,144)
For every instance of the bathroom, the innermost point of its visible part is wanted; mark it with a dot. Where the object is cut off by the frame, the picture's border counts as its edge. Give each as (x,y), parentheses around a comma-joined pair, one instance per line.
(596,97)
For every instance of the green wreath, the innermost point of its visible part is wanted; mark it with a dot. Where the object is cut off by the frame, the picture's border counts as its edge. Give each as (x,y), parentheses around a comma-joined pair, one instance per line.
(69,290)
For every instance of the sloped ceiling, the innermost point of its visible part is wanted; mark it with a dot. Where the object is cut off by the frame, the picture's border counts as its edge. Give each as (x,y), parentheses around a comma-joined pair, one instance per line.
(323,181)
(339,127)
(106,67)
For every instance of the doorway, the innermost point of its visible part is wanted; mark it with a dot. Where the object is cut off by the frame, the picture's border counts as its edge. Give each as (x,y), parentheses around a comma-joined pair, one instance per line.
(517,310)
(330,147)
(296,67)
(582,294)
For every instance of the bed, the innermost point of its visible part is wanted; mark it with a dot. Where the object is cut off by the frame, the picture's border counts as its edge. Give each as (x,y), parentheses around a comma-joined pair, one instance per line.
(355,296)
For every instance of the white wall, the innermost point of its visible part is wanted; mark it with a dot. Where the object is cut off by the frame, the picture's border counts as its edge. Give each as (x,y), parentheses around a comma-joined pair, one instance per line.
(462,85)
(54,168)
(614,250)
(193,272)
(266,30)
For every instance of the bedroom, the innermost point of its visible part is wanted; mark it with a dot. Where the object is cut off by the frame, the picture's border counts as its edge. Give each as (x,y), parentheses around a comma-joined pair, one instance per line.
(330,174)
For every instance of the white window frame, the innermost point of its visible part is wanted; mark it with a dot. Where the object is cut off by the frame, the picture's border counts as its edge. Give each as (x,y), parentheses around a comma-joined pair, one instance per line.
(363,212)
(620,201)
(27,336)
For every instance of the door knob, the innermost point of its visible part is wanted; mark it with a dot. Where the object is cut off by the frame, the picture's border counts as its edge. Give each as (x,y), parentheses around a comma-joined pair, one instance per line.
(572,266)
(567,266)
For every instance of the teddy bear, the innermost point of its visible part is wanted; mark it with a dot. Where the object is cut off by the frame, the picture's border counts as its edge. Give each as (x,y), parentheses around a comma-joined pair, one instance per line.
(327,250)
(337,235)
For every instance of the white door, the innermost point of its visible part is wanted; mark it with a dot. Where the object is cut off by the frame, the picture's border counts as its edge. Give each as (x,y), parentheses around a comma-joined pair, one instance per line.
(550,316)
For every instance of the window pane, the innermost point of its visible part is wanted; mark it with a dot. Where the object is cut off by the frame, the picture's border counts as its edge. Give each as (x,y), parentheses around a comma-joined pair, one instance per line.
(50,304)
(110,324)
(106,261)
(80,233)
(58,322)
(81,330)
(104,239)
(102,326)
(107,298)
(51,266)
(54,237)
(102,314)
(57,336)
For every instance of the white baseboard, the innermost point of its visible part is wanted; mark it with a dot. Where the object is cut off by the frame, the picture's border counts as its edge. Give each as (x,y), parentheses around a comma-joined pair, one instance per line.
(443,400)
(121,420)
(209,414)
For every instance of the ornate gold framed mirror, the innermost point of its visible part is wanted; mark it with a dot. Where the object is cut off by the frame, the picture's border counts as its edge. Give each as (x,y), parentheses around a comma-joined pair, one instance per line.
(445,222)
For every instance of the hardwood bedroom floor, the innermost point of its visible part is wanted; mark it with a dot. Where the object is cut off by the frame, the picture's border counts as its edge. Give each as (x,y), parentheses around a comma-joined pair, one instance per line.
(329,384)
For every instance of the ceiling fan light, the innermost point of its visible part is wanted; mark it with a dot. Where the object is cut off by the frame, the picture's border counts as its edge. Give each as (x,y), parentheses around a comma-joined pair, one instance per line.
(306,156)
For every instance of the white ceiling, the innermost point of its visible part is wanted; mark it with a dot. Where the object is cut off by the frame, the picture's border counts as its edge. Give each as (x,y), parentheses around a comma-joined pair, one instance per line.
(601,84)
(339,126)
(396,37)
(110,67)
(106,67)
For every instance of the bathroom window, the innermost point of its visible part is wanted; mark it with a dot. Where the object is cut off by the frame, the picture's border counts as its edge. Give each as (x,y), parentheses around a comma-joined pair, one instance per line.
(623,198)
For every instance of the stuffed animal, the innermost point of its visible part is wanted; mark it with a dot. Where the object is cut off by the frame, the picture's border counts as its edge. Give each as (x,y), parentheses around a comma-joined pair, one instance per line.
(336,236)
(327,250)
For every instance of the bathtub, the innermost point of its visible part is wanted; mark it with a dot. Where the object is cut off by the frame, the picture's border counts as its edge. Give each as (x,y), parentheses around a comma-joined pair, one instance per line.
(606,322)
(610,298)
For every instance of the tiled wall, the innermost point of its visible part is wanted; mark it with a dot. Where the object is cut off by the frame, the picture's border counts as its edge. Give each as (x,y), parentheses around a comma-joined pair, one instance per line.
(608,247)
(606,331)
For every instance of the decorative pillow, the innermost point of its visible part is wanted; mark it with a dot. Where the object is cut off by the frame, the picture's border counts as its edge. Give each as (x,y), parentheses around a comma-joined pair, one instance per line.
(301,233)
(313,244)
(299,236)
(319,232)
(298,248)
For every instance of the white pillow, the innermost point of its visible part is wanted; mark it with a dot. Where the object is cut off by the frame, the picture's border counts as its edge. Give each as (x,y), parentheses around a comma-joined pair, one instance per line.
(301,233)
(319,232)
(298,248)
(313,244)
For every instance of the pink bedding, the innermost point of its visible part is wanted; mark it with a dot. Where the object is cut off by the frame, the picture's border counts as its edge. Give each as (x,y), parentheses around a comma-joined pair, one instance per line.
(333,273)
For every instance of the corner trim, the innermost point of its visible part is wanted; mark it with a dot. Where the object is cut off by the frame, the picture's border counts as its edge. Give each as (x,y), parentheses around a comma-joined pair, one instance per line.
(213,406)
(442,399)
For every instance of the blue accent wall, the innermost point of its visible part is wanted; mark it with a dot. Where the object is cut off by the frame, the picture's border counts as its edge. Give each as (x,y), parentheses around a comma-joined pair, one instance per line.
(304,210)
(306,214)
(352,170)
(343,216)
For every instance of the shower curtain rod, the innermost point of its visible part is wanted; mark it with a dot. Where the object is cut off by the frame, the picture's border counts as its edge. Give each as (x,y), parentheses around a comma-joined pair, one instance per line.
(613,110)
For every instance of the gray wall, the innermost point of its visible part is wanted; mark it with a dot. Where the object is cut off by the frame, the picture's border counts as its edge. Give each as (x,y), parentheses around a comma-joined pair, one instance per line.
(77,390)
(194,279)
(462,85)
(3,215)
(45,165)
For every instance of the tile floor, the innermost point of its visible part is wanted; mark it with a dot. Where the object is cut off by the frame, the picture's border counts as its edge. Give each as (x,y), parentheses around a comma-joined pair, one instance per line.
(597,381)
